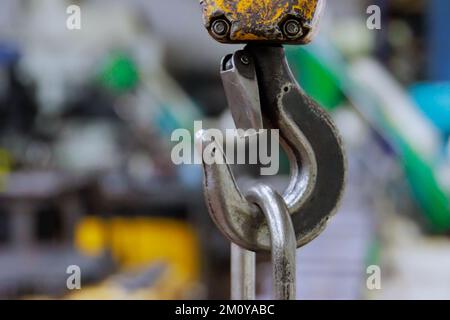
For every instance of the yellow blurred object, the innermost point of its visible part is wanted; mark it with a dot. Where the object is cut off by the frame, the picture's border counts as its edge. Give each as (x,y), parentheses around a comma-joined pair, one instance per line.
(160,285)
(90,236)
(5,168)
(136,242)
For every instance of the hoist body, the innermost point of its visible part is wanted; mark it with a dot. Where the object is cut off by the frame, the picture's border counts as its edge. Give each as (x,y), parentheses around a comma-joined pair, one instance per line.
(277,21)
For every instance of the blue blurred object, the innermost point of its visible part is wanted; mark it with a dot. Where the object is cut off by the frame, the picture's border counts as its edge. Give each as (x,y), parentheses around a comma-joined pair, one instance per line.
(8,54)
(433,99)
(438,26)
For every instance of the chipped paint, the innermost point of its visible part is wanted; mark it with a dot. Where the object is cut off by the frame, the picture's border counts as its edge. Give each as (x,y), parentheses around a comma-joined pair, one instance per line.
(260,20)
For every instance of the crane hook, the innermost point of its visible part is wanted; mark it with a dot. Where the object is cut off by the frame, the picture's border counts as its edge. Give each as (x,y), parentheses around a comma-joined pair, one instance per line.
(262,93)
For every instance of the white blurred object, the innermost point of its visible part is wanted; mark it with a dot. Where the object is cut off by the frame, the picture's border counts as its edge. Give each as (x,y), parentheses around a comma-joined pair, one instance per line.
(352,37)
(88,147)
(9,13)
(397,107)
(59,58)
(418,265)
(179,26)
(352,128)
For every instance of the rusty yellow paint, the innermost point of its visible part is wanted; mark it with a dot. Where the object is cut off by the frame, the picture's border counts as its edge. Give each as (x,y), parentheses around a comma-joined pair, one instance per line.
(258,20)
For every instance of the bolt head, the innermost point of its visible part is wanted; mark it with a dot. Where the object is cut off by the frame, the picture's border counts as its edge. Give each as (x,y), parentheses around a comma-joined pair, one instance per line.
(220,28)
(292,29)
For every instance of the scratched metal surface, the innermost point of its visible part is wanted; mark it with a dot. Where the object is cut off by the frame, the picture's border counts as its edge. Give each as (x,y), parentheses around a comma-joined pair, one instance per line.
(259,20)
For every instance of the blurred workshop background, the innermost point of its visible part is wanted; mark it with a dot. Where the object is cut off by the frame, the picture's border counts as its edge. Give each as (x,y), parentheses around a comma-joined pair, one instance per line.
(86,177)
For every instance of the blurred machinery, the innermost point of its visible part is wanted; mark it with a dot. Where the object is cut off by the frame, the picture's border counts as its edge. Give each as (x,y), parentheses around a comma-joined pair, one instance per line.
(86,178)
(85,164)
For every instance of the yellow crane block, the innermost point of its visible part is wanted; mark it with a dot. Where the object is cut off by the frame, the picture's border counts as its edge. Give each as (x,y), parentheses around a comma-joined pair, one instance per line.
(278,21)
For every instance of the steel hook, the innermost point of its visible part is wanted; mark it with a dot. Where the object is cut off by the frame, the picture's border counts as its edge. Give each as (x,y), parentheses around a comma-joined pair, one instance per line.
(263,93)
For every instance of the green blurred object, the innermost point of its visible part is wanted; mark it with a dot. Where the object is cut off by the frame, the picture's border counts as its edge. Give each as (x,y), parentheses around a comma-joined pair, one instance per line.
(318,81)
(426,189)
(322,72)
(314,77)
(119,73)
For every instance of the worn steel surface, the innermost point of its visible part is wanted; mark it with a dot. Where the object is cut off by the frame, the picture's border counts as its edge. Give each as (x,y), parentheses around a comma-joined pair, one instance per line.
(282,240)
(283,249)
(243,265)
(262,20)
(309,138)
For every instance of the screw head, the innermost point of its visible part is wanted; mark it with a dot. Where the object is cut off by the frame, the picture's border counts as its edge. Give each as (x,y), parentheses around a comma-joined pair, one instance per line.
(220,28)
(292,29)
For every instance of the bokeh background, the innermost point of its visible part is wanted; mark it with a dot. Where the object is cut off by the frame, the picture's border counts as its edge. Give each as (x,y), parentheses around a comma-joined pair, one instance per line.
(86,177)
